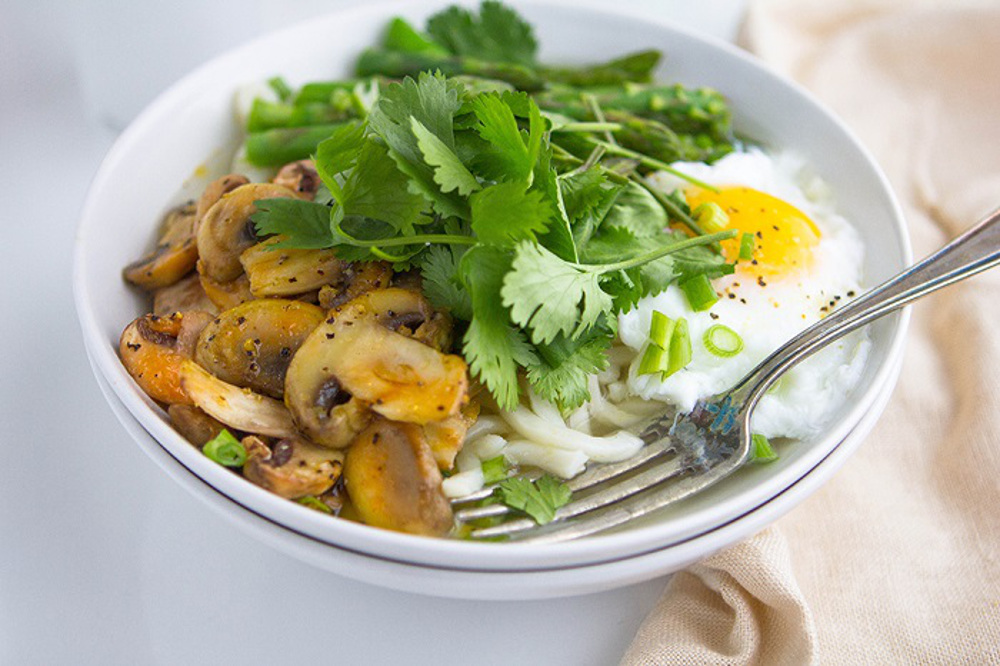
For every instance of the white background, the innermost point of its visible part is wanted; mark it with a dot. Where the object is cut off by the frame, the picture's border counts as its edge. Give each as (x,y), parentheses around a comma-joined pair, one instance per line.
(103,560)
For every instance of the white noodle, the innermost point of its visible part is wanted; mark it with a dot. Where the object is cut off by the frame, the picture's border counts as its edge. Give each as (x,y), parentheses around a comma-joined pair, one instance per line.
(561,462)
(463,483)
(613,448)
(485,425)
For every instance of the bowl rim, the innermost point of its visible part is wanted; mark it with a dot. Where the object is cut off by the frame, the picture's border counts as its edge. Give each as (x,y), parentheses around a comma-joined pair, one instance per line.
(488,556)
(513,584)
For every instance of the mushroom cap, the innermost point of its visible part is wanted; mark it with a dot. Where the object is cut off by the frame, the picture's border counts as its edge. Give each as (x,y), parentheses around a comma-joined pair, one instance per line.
(226,230)
(252,344)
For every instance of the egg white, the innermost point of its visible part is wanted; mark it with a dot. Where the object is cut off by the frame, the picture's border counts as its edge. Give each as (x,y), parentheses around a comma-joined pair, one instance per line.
(764,313)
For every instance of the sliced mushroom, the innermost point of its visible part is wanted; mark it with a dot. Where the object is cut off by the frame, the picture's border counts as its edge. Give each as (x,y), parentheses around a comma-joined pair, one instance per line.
(447,437)
(394,482)
(300,177)
(173,257)
(216,189)
(238,408)
(359,278)
(225,295)
(293,468)
(193,424)
(152,349)
(252,344)
(288,272)
(322,409)
(226,230)
(188,294)
(401,378)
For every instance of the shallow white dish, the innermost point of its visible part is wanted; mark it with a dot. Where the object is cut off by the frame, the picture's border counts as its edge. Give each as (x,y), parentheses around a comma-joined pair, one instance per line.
(190,127)
(498,585)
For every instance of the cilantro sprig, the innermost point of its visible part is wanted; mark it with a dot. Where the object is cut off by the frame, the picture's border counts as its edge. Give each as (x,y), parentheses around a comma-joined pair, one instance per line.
(526,222)
(539,499)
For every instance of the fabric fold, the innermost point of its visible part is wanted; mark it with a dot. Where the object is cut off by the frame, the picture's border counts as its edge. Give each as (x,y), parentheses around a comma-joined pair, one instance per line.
(897,558)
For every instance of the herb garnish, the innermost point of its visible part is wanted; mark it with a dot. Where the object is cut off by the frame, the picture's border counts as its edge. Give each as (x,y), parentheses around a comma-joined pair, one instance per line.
(526,222)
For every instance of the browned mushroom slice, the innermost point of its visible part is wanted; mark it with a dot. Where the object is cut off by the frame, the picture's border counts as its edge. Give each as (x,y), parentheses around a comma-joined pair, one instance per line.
(238,408)
(394,482)
(216,189)
(183,296)
(225,295)
(401,378)
(288,272)
(173,257)
(359,278)
(193,424)
(152,349)
(293,468)
(300,177)
(226,229)
(322,410)
(447,437)
(410,314)
(252,344)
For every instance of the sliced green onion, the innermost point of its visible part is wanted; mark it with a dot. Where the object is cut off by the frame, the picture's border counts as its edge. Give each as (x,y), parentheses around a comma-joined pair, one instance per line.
(679,354)
(280,87)
(762,452)
(661,327)
(699,292)
(746,247)
(723,341)
(711,217)
(225,449)
(654,360)
(495,469)
(314,502)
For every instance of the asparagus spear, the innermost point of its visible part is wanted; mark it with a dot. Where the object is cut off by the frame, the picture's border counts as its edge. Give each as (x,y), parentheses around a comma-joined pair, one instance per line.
(398,64)
(275,147)
(266,115)
(636,67)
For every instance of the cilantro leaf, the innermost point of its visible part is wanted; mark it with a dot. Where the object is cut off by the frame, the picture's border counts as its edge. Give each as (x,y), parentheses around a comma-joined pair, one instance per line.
(449,172)
(498,34)
(337,154)
(304,224)
(377,189)
(505,213)
(638,211)
(559,237)
(587,197)
(492,347)
(564,366)
(439,270)
(552,296)
(507,157)
(432,101)
(539,499)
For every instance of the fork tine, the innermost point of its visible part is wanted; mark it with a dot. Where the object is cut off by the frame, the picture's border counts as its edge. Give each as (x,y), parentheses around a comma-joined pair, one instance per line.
(608,495)
(594,475)
(640,503)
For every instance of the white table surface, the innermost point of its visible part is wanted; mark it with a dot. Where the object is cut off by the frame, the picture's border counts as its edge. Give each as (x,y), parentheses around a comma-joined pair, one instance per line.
(103,560)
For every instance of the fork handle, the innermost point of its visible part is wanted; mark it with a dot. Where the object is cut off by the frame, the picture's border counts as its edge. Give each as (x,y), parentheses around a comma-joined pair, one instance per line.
(976,250)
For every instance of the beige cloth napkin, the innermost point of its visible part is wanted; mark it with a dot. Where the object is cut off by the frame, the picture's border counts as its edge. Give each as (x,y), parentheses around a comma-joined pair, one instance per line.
(897,558)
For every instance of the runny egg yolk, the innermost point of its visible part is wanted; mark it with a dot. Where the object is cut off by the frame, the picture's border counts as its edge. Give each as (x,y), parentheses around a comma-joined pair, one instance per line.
(784,236)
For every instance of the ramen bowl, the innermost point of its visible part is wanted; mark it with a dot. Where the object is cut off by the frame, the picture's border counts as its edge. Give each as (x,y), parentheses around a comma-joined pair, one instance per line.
(187,136)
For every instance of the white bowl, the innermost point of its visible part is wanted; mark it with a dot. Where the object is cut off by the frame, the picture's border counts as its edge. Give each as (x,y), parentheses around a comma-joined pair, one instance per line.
(186,135)
(514,583)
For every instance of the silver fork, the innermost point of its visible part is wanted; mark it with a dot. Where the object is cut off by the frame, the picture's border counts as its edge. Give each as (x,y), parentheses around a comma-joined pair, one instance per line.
(696,450)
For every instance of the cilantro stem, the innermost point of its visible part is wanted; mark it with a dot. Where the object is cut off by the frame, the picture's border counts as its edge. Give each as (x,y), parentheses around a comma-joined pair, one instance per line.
(588,127)
(658,253)
(426,239)
(653,163)
(675,211)
(595,108)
